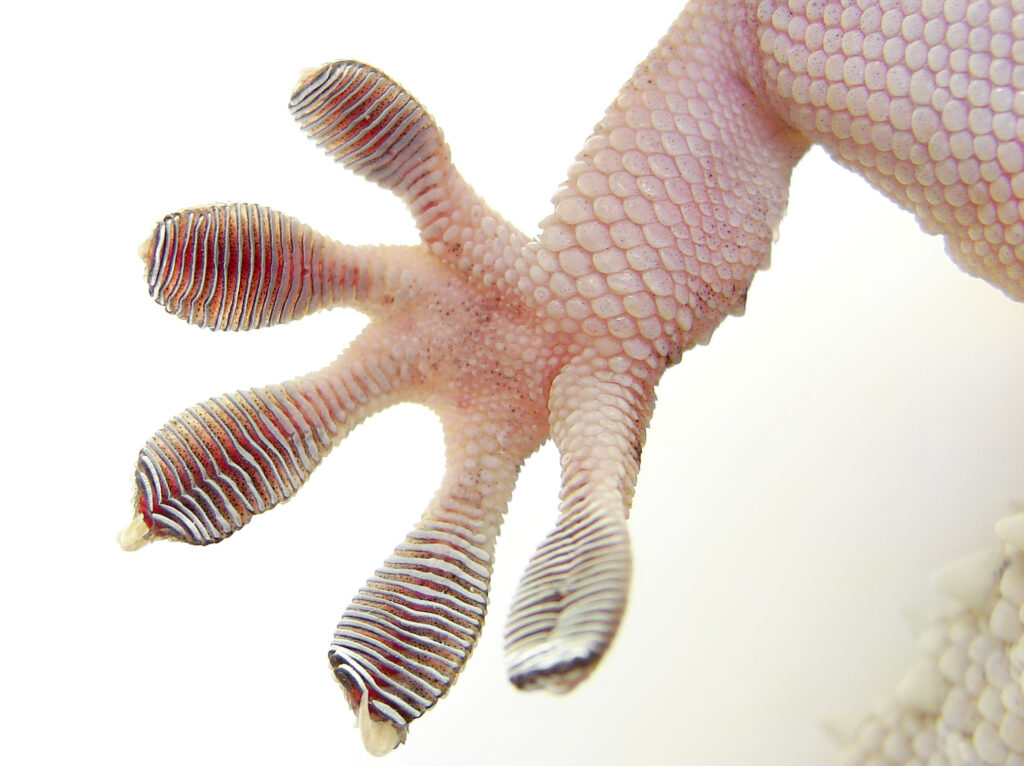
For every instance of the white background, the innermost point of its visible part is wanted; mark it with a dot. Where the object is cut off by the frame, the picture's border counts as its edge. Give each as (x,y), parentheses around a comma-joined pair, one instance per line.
(804,473)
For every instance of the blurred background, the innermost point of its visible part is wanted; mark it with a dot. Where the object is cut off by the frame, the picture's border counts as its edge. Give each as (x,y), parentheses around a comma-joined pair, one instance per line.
(804,474)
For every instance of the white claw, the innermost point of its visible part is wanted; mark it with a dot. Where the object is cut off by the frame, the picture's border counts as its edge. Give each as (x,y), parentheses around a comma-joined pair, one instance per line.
(379,737)
(974,579)
(135,535)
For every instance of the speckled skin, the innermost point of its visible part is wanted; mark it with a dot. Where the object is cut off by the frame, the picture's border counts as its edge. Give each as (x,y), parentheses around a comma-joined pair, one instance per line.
(667,213)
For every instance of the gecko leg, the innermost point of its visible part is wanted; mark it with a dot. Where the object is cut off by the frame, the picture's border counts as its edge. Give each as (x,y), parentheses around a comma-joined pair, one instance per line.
(666,215)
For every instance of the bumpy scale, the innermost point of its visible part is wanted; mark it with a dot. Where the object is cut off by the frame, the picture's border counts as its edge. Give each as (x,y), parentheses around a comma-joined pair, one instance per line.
(962,701)
(667,213)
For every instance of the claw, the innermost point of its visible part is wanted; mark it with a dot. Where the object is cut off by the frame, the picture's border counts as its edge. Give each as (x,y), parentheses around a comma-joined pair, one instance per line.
(136,535)
(379,737)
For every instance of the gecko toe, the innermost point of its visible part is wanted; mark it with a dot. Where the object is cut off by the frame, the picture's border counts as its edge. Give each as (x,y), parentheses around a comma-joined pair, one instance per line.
(569,603)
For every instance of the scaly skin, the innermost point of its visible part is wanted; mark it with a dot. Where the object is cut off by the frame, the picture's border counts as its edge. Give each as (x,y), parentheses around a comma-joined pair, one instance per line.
(667,213)
(962,701)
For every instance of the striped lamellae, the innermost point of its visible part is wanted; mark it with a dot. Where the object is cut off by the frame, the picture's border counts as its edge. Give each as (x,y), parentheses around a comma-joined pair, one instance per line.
(570,599)
(409,630)
(240,267)
(373,127)
(211,468)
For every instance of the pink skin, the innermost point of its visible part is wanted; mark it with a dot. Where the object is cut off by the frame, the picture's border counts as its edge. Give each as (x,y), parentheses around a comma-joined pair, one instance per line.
(667,213)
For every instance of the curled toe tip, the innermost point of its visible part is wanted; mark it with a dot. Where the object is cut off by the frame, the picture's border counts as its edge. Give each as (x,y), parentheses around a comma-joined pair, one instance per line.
(550,672)
(135,535)
(311,82)
(379,737)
